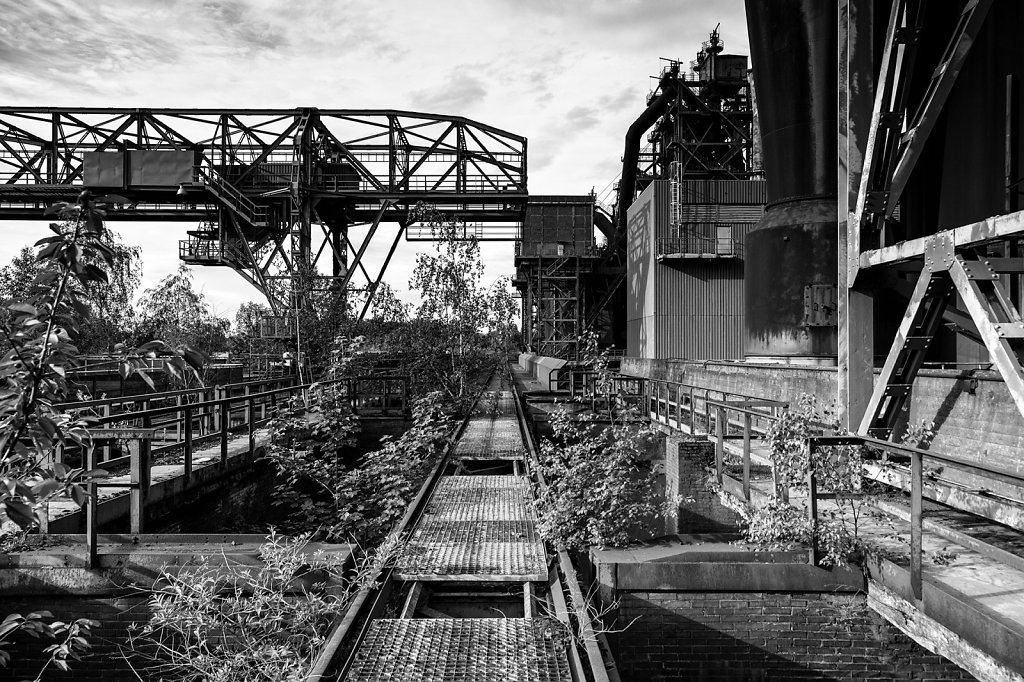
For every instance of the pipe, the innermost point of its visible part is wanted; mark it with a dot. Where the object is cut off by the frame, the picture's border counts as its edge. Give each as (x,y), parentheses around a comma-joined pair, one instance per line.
(603,221)
(631,153)
(790,267)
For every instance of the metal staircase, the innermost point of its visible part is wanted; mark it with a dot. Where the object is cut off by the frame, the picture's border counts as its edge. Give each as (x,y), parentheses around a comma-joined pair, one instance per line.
(232,198)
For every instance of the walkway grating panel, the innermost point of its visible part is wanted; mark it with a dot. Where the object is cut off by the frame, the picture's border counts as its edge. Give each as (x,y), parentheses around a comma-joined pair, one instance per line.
(507,509)
(477,528)
(494,432)
(476,561)
(462,650)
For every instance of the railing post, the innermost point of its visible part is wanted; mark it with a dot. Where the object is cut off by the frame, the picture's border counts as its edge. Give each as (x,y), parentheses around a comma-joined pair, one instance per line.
(187,417)
(720,427)
(812,512)
(91,504)
(693,414)
(56,456)
(916,513)
(105,411)
(225,420)
(177,420)
(139,483)
(251,412)
(679,406)
(707,410)
(746,456)
(216,415)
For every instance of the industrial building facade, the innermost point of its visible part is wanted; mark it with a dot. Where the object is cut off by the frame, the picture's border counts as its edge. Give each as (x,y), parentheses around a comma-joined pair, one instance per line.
(685,267)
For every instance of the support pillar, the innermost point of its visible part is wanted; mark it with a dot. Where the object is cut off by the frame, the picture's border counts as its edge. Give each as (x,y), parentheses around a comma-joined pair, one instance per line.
(855,305)
(689,463)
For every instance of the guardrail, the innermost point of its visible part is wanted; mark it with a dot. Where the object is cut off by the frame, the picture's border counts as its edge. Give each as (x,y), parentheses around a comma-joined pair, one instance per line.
(140,458)
(728,416)
(917,459)
(215,412)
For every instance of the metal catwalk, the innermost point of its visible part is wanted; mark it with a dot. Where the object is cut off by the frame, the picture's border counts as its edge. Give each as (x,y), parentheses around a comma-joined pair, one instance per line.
(476,538)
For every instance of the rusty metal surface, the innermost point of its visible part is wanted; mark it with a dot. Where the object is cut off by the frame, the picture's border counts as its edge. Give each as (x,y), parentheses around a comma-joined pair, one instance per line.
(476,528)
(463,650)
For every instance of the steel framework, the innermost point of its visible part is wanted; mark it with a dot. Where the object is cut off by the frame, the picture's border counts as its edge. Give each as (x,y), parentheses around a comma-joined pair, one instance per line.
(274,191)
(889,134)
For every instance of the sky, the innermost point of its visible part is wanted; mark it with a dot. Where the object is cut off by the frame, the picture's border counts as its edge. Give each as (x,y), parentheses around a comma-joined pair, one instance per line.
(569,75)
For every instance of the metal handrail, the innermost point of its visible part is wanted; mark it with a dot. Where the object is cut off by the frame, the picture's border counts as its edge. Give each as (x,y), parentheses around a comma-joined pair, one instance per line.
(747,405)
(917,459)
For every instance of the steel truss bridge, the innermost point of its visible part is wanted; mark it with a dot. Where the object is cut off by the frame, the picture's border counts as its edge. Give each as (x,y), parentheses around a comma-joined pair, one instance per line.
(273,192)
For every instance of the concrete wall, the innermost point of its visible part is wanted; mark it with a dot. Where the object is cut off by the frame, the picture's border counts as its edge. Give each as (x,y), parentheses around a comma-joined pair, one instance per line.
(733,636)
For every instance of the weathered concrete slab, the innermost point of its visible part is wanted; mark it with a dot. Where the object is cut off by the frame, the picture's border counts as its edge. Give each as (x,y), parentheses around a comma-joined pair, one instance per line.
(127,563)
(167,481)
(678,566)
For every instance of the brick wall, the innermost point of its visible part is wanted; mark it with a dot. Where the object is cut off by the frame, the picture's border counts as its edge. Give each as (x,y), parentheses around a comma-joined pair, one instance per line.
(687,461)
(104,664)
(749,636)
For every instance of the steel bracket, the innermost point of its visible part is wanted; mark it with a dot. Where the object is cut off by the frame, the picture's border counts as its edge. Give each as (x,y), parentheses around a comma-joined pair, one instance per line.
(979,270)
(939,253)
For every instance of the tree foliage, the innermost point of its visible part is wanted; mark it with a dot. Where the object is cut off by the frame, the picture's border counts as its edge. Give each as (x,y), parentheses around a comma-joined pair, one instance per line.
(179,315)
(111,317)
(602,484)
(40,332)
(358,502)
(460,325)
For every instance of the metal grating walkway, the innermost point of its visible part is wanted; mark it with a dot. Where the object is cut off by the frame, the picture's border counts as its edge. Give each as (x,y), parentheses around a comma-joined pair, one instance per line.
(474,529)
(477,528)
(462,650)
(494,433)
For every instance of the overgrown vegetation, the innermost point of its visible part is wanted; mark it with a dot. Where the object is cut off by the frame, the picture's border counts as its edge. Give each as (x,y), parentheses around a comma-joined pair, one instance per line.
(256,627)
(357,501)
(41,330)
(838,473)
(217,620)
(602,484)
(447,346)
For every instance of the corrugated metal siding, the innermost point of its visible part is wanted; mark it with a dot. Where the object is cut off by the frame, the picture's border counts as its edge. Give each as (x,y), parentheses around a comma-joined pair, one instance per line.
(739,213)
(699,309)
(700,338)
(662,195)
(691,309)
(723,192)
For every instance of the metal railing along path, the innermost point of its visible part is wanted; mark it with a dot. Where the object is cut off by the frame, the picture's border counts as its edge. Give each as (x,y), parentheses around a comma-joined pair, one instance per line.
(725,416)
(238,407)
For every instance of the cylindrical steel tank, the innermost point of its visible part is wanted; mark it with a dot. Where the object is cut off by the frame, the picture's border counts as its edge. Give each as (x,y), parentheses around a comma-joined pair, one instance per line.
(790,260)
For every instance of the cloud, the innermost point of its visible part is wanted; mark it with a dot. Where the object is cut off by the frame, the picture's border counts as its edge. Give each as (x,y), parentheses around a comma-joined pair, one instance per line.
(63,44)
(242,27)
(572,80)
(459,91)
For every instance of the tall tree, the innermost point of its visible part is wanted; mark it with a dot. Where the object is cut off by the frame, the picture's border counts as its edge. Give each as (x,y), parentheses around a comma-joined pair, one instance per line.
(450,334)
(112,315)
(174,311)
